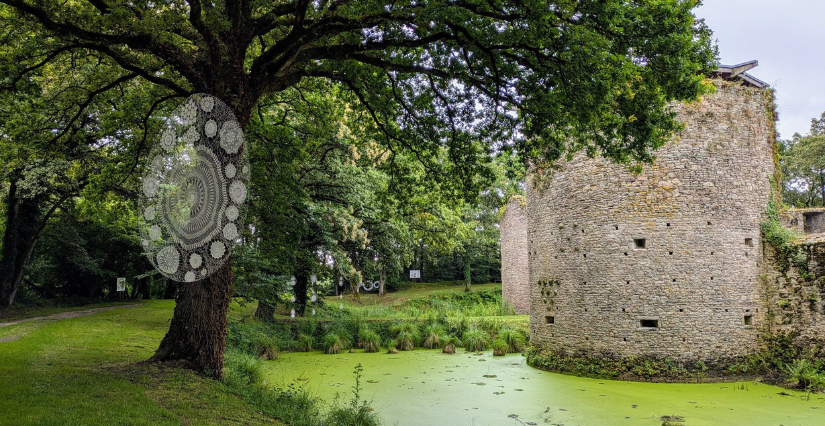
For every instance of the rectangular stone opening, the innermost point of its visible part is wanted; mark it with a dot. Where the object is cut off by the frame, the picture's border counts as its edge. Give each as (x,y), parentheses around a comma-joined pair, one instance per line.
(549,320)
(639,243)
(749,242)
(814,222)
(649,323)
(748,319)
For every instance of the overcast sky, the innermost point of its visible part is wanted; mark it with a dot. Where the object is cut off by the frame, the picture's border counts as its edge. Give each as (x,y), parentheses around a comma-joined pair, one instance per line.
(787,37)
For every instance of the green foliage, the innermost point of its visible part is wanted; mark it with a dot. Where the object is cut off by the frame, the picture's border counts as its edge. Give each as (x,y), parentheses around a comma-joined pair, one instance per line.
(803,167)
(450,343)
(475,340)
(253,339)
(499,347)
(357,412)
(805,374)
(304,343)
(608,368)
(242,366)
(369,340)
(407,335)
(513,340)
(433,336)
(780,237)
(334,343)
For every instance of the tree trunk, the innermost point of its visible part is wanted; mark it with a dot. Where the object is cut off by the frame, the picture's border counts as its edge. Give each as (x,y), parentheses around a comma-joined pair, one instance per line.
(382,280)
(20,236)
(300,289)
(265,311)
(197,333)
(467,273)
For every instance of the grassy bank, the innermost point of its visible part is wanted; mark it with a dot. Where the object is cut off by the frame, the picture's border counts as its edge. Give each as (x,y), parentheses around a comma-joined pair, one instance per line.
(429,317)
(88,371)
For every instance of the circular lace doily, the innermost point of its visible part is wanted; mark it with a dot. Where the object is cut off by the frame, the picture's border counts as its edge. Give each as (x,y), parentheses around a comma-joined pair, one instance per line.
(193,191)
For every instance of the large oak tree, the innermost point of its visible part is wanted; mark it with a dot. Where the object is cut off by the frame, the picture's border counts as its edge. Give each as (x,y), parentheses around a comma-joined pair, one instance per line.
(459,76)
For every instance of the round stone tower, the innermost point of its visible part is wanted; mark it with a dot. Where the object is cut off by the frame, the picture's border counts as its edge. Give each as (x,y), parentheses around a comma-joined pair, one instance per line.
(664,263)
(515,272)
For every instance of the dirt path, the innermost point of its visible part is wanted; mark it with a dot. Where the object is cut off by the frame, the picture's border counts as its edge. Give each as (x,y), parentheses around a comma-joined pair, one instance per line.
(67,315)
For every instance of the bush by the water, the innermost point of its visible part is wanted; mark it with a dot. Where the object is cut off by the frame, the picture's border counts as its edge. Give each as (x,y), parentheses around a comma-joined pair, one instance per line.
(433,335)
(450,342)
(783,361)
(369,340)
(293,405)
(475,340)
(513,340)
(406,336)
(334,343)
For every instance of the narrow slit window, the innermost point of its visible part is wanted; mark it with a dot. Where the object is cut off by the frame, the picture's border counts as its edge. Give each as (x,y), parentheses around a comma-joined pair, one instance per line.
(639,243)
(649,323)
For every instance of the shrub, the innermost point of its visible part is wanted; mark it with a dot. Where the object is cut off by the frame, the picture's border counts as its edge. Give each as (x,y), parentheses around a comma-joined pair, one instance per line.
(512,338)
(369,340)
(499,347)
(450,342)
(334,343)
(252,339)
(356,413)
(406,341)
(433,336)
(391,346)
(803,372)
(244,368)
(475,340)
(304,343)
(406,335)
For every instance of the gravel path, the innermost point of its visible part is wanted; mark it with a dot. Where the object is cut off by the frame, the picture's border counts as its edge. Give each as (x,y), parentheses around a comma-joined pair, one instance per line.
(67,315)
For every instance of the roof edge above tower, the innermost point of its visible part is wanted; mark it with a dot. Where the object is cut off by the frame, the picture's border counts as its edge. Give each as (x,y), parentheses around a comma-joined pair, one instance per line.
(737,73)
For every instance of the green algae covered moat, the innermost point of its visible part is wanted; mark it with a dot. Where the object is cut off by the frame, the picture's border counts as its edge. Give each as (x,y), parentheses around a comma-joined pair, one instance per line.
(426,387)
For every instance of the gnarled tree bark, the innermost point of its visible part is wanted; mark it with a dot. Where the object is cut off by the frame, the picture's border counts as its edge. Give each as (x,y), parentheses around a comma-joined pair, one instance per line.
(197,333)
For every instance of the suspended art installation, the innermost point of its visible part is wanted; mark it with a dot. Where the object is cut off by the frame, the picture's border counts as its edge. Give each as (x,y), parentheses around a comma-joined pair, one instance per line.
(194,190)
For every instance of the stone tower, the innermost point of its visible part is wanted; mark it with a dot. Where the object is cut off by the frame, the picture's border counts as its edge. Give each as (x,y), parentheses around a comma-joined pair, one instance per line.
(665,263)
(515,272)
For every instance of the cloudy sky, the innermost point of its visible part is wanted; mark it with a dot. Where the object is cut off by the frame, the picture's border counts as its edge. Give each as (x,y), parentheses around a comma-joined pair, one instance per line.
(787,37)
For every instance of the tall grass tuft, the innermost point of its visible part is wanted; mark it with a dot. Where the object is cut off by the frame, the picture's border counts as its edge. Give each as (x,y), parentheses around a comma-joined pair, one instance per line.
(499,347)
(334,343)
(369,340)
(406,335)
(475,340)
(450,342)
(392,346)
(304,343)
(433,336)
(512,338)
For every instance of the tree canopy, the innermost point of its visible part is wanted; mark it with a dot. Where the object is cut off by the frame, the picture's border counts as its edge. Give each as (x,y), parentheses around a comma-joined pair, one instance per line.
(436,86)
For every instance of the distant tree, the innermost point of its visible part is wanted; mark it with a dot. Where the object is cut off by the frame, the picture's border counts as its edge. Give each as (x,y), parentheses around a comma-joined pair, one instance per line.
(803,166)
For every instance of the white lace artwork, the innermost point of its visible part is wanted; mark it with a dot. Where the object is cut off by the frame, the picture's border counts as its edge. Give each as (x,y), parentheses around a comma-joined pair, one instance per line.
(192,194)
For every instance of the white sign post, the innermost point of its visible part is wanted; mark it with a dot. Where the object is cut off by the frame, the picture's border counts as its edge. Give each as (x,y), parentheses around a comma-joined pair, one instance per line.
(121,284)
(415,274)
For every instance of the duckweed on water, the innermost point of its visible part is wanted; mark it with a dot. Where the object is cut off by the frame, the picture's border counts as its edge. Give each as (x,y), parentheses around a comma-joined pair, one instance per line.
(433,388)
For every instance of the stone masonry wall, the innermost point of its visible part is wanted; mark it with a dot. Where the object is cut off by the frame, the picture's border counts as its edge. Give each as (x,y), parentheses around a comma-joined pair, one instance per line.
(664,263)
(795,291)
(515,272)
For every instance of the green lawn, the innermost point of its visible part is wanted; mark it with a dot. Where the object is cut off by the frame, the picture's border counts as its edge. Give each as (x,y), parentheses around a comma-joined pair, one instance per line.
(85,371)
(88,370)
(22,312)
